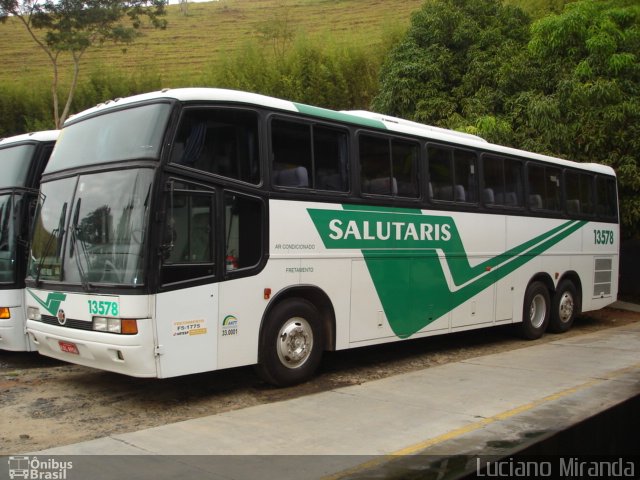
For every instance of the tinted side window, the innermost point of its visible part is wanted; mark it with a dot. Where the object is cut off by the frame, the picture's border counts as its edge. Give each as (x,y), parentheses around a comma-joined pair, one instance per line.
(331,161)
(309,156)
(452,174)
(465,175)
(291,147)
(579,193)
(243,231)
(375,167)
(389,166)
(189,234)
(544,187)
(440,173)
(514,183)
(219,141)
(502,180)
(606,197)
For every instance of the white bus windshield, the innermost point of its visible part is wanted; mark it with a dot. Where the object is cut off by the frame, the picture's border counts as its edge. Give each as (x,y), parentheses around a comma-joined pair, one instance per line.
(91,228)
(134,133)
(14,165)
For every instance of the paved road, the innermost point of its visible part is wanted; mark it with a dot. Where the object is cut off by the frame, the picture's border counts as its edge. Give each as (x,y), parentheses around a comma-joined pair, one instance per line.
(482,405)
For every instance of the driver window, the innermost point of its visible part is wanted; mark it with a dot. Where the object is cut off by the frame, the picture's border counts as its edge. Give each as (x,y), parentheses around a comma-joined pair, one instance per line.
(188,240)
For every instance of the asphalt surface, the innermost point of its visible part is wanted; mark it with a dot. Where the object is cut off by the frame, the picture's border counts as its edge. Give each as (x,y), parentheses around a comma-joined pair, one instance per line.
(481,406)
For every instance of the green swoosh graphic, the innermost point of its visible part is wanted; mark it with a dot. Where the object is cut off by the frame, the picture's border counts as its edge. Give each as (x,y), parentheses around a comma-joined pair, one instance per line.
(408,255)
(52,304)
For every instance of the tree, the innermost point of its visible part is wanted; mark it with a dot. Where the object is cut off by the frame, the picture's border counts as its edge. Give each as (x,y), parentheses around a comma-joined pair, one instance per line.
(450,64)
(278,30)
(74,26)
(568,85)
(585,102)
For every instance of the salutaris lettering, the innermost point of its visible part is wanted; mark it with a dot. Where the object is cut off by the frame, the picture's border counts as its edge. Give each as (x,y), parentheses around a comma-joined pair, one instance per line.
(381,230)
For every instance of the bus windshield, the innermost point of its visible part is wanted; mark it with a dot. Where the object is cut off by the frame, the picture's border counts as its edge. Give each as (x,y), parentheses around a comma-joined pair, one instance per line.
(14,164)
(91,228)
(134,133)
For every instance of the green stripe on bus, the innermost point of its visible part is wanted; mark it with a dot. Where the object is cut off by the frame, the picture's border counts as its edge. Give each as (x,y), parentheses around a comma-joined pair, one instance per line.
(338,116)
(402,254)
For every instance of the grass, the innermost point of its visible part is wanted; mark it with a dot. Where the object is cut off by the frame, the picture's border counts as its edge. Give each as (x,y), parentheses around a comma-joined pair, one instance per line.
(210,31)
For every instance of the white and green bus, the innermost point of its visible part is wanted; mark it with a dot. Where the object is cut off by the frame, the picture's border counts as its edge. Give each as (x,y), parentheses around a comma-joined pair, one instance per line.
(22,160)
(191,230)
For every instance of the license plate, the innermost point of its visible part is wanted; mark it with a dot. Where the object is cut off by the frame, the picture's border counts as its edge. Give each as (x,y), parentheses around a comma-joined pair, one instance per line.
(69,347)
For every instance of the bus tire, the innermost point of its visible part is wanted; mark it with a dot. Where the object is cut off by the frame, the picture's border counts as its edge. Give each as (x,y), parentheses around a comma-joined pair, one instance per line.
(564,307)
(291,343)
(535,314)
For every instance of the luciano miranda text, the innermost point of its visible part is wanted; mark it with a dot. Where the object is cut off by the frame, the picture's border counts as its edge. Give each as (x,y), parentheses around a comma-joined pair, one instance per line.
(568,467)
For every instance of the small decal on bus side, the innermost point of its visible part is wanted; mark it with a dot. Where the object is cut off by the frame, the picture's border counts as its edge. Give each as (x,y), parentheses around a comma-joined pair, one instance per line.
(229,326)
(189,328)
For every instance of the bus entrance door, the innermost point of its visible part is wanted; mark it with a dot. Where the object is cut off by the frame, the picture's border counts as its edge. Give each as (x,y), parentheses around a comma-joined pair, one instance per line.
(186,331)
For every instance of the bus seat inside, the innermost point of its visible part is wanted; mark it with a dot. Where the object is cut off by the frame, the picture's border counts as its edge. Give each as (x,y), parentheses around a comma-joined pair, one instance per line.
(291,177)
(488,196)
(573,206)
(535,201)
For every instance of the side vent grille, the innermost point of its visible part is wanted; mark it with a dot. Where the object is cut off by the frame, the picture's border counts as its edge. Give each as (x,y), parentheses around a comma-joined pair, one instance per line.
(602,277)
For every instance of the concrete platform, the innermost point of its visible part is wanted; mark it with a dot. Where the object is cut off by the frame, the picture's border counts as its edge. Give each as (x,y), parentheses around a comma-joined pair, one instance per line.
(477,406)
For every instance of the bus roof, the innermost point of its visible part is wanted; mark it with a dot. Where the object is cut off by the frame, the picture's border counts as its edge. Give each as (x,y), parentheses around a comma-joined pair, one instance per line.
(356,117)
(43,136)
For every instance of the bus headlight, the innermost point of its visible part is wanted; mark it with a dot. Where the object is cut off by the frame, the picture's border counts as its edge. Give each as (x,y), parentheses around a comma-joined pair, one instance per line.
(33,313)
(123,326)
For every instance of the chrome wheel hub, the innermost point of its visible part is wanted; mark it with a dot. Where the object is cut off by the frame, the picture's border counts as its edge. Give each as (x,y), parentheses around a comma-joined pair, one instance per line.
(565,310)
(295,342)
(537,311)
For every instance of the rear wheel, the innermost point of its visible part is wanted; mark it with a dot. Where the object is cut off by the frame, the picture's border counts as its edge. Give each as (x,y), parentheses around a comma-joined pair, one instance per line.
(291,343)
(535,314)
(564,307)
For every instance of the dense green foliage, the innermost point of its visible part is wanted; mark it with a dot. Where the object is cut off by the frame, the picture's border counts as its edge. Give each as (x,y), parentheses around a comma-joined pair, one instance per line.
(314,72)
(25,109)
(585,103)
(451,62)
(567,84)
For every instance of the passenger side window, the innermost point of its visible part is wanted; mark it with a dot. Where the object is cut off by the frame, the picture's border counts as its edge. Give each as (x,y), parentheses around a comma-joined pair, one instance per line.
(331,162)
(579,193)
(244,220)
(375,167)
(606,197)
(388,166)
(544,188)
(309,156)
(452,174)
(222,141)
(502,181)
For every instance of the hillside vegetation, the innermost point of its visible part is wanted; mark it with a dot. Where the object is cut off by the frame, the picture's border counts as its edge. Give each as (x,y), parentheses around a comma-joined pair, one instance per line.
(211,32)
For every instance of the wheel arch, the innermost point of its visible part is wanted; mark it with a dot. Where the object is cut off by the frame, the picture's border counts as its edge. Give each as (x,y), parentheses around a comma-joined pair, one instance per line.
(544,278)
(319,299)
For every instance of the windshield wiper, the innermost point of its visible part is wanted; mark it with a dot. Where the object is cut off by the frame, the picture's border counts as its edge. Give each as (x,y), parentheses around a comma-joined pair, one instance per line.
(75,238)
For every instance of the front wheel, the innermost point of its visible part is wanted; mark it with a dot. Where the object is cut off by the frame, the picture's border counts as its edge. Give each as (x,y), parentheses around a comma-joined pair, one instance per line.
(290,343)
(564,308)
(535,314)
